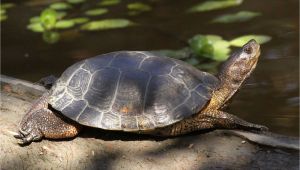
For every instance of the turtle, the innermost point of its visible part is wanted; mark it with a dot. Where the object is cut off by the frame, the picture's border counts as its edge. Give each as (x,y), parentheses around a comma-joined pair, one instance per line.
(140,92)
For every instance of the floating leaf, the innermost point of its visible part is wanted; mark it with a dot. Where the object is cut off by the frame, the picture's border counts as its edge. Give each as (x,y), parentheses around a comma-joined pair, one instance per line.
(200,45)
(210,46)
(51,37)
(75,1)
(35,19)
(60,6)
(2,11)
(214,5)
(48,18)
(60,14)
(221,50)
(98,11)
(236,17)
(109,2)
(80,20)
(7,5)
(36,27)
(3,17)
(106,24)
(240,41)
(63,24)
(139,6)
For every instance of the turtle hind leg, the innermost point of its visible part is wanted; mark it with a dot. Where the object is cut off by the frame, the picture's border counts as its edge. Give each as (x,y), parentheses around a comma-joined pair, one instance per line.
(209,120)
(44,123)
(225,120)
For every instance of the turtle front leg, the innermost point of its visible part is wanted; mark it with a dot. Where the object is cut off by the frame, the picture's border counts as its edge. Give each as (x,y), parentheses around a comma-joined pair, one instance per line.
(42,122)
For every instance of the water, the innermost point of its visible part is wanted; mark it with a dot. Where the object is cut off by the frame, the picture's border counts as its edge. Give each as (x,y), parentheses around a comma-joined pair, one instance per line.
(269,97)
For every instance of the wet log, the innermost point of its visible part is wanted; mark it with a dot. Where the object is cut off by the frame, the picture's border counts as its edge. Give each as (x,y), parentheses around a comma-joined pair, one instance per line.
(99,149)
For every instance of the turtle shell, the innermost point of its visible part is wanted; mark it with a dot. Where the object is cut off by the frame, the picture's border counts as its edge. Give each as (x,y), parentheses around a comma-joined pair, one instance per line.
(131,91)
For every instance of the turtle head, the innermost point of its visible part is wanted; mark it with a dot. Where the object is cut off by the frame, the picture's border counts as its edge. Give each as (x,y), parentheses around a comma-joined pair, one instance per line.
(240,64)
(233,73)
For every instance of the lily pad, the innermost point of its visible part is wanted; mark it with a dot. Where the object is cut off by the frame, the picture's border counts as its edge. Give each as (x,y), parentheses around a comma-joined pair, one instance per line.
(236,17)
(36,27)
(210,46)
(214,5)
(80,20)
(75,1)
(106,24)
(7,5)
(63,24)
(51,37)
(60,6)
(240,41)
(139,6)
(2,11)
(3,17)
(95,12)
(48,18)
(109,2)
(60,14)
(35,19)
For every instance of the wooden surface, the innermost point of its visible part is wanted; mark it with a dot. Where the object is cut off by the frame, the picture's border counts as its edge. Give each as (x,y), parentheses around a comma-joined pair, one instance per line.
(99,149)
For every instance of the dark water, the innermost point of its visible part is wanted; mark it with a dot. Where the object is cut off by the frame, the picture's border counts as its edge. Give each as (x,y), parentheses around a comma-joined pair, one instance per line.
(269,97)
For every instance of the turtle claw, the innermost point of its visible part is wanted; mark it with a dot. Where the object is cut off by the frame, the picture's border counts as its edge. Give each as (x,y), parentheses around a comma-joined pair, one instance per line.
(28,136)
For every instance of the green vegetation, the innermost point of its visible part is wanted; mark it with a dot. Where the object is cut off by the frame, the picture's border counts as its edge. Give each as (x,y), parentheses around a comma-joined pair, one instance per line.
(97,11)
(106,24)
(3,10)
(109,2)
(236,17)
(214,5)
(240,41)
(203,51)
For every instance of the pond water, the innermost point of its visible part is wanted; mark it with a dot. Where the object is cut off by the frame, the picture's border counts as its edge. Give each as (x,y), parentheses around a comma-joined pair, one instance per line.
(269,97)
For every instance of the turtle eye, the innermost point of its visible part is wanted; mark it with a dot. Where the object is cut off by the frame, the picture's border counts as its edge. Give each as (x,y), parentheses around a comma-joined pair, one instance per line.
(248,50)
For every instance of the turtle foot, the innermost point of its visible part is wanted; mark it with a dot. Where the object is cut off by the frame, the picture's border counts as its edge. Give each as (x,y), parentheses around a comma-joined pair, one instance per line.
(27,136)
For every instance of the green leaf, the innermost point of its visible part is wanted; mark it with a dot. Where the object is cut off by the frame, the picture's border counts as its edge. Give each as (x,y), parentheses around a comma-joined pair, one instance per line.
(109,2)
(63,24)
(35,19)
(201,46)
(60,6)
(214,5)
(139,6)
(51,37)
(3,17)
(221,50)
(75,1)
(240,41)
(48,18)
(80,20)
(210,46)
(60,14)
(98,11)
(2,11)
(236,17)
(7,5)
(106,24)
(36,27)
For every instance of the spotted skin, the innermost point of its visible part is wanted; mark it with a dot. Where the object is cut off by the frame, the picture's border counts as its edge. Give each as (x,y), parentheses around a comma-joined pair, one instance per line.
(42,122)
